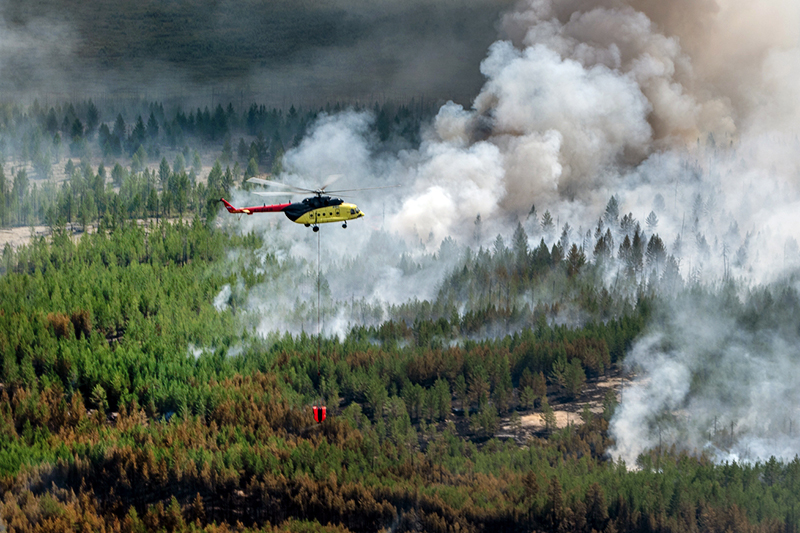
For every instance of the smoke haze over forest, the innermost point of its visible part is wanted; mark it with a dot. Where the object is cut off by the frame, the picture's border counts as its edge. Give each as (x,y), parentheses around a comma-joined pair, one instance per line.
(672,114)
(683,109)
(572,302)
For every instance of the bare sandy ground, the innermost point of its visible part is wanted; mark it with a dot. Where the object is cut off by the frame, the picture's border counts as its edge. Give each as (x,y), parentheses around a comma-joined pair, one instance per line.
(21,236)
(535,421)
(567,413)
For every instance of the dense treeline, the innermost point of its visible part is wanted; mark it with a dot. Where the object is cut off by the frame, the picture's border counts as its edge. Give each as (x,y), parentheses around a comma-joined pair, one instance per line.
(129,403)
(134,177)
(505,289)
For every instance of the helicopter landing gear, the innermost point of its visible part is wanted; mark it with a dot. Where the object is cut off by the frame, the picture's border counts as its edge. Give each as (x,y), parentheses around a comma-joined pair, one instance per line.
(308,225)
(344,225)
(316,229)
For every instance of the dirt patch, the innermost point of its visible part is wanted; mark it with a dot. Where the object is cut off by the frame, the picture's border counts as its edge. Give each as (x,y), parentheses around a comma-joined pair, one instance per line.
(21,236)
(567,411)
(535,421)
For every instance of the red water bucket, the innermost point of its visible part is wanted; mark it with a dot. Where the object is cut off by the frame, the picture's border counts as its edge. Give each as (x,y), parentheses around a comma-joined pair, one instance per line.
(319,413)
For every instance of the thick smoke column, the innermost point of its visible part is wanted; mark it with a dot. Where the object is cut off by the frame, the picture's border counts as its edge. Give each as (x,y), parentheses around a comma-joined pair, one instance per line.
(581,93)
(686,108)
(690,101)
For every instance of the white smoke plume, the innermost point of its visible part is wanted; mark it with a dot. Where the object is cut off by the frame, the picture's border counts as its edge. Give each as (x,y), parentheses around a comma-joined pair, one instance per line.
(684,108)
(711,381)
(583,100)
(581,93)
(364,268)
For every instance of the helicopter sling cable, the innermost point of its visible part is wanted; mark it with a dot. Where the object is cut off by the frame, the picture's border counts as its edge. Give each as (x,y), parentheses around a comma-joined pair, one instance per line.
(311,212)
(319,408)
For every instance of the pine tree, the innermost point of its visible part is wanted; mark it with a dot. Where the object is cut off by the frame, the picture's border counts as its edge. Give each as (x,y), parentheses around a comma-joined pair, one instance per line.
(92,118)
(139,133)
(152,127)
(548,415)
(164,173)
(520,246)
(656,252)
(611,214)
(637,251)
(651,221)
(547,224)
(252,169)
(227,151)
(576,259)
(555,504)
(180,164)
(527,397)
(596,508)
(556,254)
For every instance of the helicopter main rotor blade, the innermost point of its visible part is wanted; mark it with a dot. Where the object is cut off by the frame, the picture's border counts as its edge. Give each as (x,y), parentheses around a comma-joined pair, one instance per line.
(364,189)
(276,193)
(333,178)
(271,183)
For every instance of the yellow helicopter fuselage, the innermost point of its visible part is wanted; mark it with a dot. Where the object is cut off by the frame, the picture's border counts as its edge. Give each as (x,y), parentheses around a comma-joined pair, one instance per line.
(333,213)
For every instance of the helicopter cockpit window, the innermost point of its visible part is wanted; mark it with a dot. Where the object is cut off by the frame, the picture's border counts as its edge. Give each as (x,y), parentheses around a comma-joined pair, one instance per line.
(352,211)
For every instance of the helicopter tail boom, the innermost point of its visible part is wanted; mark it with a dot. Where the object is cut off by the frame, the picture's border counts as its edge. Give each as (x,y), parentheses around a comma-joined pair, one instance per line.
(275,208)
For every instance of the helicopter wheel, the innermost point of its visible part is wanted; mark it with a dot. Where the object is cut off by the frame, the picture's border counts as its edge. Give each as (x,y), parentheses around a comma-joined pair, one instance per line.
(344,225)
(316,229)
(307,225)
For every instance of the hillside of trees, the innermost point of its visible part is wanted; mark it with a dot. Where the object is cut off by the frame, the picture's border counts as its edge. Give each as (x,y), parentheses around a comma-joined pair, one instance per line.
(131,399)
(129,402)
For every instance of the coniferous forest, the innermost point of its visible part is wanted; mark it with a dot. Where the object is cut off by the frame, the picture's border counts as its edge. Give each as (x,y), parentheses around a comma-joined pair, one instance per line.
(132,398)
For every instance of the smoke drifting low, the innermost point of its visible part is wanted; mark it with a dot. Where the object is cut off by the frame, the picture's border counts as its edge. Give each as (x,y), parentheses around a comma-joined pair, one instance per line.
(365,268)
(716,376)
(685,109)
(38,54)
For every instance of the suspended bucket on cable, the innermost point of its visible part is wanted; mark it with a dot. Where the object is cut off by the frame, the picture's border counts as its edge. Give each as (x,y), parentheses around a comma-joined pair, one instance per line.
(319,413)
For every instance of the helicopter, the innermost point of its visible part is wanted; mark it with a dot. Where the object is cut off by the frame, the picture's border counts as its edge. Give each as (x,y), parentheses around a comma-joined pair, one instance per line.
(317,209)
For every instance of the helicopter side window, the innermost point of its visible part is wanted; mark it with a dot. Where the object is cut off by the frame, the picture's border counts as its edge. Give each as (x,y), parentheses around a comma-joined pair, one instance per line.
(352,211)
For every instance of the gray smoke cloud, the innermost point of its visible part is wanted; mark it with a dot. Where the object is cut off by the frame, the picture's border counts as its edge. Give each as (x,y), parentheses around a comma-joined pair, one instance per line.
(583,100)
(39,53)
(708,381)
(685,109)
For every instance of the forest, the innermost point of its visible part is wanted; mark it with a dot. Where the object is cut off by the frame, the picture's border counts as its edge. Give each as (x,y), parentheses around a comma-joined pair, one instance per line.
(134,398)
